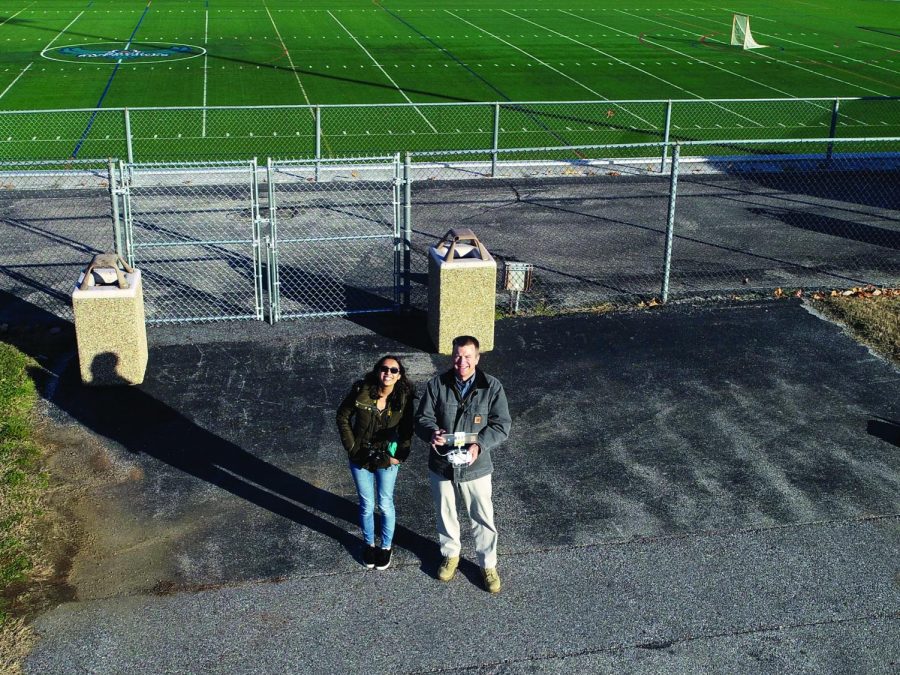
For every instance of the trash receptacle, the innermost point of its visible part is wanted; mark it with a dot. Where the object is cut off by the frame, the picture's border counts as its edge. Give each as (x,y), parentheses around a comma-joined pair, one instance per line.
(108,303)
(462,283)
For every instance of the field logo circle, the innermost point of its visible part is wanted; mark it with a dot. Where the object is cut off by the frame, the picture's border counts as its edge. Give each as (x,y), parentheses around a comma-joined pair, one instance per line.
(112,53)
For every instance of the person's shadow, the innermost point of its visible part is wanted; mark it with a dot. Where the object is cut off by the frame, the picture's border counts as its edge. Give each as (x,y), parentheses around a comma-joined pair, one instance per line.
(143,425)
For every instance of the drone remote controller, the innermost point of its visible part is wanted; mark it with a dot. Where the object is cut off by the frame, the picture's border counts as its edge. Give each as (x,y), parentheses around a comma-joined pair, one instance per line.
(459,455)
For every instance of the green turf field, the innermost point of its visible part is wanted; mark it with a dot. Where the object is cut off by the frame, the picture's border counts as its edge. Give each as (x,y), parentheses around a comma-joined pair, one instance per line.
(111,54)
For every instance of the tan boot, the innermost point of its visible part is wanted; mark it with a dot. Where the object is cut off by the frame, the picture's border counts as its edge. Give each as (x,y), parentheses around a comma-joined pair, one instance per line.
(447,570)
(491,579)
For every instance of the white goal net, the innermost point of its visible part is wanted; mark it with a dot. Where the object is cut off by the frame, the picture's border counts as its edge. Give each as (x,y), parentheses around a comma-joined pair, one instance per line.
(740,32)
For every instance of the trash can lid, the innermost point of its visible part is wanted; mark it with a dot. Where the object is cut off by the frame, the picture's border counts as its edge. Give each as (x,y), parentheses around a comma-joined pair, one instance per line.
(112,267)
(460,243)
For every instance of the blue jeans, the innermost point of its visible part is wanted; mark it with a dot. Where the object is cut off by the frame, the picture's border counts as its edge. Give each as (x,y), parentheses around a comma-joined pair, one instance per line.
(366,483)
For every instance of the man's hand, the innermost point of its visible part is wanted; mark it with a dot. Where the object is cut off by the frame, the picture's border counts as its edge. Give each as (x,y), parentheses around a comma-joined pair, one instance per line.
(437,437)
(474,451)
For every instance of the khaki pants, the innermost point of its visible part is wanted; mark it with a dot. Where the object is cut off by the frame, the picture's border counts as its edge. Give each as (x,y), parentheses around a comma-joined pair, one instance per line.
(476,496)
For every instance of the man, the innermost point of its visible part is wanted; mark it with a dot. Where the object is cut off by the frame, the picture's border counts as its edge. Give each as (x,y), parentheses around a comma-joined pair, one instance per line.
(467,400)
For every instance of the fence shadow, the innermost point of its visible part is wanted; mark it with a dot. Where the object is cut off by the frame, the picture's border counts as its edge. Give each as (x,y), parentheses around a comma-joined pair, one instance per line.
(409,328)
(834,227)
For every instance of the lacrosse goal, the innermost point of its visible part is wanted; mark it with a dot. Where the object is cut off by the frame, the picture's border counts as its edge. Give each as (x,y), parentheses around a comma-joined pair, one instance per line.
(740,33)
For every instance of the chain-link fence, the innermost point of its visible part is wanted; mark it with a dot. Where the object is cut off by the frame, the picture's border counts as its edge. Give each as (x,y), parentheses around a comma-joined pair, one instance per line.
(571,227)
(194,231)
(53,219)
(579,227)
(813,215)
(332,131)
(334,245)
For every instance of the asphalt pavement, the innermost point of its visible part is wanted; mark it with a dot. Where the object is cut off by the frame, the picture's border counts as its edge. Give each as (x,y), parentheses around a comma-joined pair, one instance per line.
(711,488)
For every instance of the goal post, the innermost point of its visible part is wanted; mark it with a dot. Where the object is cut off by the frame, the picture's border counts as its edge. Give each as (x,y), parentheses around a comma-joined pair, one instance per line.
(740,33)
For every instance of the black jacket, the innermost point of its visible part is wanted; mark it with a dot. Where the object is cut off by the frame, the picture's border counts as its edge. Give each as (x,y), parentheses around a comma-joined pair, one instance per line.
(362,426)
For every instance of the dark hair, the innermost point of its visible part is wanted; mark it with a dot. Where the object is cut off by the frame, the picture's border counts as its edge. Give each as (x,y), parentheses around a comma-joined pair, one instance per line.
(463,340)
(403,388)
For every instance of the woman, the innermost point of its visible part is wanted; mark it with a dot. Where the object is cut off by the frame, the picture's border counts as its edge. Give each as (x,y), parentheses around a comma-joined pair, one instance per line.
(375,421)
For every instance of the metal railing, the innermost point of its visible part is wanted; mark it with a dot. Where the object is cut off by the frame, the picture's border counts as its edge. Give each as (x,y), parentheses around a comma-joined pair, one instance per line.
(331,131)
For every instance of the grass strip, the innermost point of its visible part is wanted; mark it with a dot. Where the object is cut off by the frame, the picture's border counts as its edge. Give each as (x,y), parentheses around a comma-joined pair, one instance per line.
(23,486)
(871,315)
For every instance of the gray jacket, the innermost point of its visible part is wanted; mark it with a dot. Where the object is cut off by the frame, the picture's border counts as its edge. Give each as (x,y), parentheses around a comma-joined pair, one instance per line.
(484,411)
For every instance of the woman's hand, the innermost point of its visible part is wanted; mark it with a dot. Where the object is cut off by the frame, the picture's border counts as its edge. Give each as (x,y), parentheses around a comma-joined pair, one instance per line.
(394,460)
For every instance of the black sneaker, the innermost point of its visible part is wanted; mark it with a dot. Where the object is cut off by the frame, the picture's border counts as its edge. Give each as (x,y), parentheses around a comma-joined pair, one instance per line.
(383,558)
(370,556)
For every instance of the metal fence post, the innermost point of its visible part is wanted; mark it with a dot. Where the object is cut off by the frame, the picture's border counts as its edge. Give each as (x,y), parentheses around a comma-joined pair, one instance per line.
(114,202)
(272,248)
(257,240)
(398,216)
(835,111)
(125,179)
(665,147)
(129,148)
(495,144)
(407,228)
(317,114)
(670,221)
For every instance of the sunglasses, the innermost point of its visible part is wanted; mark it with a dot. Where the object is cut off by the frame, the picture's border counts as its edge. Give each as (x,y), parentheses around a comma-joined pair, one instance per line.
(386,369)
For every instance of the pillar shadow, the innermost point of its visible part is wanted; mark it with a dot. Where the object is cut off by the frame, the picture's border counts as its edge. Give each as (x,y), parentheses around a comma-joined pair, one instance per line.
(143,425)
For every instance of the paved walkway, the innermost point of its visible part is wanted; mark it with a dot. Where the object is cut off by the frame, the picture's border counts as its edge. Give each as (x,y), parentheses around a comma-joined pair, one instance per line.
(685,490)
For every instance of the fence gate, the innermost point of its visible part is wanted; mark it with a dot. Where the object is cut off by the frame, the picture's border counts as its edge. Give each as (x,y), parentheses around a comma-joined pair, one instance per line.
(334,244)
(194,231)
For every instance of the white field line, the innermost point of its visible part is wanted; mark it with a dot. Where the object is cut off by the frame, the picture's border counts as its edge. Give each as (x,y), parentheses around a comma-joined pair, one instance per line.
(680,53)
(683,30)
(625,63)
(705,63)
(290,61)
(205,68)
(383,71)
(63,31)
(752,16)
(10,18)
(840,56)
(17,79)
(547,65)
(872,44)
(788,63)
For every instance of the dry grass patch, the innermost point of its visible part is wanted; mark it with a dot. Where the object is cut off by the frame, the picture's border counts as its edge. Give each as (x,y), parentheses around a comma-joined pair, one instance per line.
(871,314)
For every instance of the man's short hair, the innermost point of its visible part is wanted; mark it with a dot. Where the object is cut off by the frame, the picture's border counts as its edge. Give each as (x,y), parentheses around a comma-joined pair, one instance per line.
(465,340)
